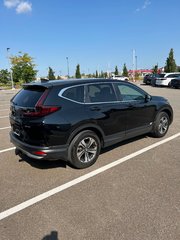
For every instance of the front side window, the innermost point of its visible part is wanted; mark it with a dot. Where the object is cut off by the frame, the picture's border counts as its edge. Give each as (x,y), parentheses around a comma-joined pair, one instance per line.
(129,93)
(102,92)
(74,94)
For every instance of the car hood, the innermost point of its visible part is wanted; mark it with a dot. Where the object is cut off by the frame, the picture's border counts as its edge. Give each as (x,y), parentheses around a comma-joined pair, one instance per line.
(159,98)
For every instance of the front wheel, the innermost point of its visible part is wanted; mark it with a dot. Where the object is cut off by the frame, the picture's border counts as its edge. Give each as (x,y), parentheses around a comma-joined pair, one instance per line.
(161,125)
(84,149)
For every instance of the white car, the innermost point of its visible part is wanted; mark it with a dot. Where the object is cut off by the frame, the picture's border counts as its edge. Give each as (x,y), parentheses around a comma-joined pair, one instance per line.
(166,80)
(119,77)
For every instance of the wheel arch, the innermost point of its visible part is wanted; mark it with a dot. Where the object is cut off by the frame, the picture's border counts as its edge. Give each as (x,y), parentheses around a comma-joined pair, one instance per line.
(169,113)
(92,127)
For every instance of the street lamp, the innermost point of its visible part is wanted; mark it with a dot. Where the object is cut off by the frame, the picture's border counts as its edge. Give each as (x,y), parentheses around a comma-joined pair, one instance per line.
(11,75)
(67,66)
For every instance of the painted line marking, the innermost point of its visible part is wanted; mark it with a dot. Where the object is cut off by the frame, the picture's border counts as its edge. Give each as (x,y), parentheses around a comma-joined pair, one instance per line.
(67,185)
(7,150)
(5,105)
(4,117)
(4,128)
(4,109)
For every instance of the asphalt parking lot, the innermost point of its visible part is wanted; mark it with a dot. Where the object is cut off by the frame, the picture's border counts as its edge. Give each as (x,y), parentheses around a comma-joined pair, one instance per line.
(138,199)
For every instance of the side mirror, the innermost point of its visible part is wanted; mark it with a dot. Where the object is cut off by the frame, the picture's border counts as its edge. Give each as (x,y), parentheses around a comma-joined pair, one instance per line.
(147,98)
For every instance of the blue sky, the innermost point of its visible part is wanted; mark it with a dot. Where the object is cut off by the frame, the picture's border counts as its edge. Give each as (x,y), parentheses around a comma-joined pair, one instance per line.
(97,34)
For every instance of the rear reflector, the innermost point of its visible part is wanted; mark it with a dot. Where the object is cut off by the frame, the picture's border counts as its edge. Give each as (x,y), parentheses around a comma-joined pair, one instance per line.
(40,153)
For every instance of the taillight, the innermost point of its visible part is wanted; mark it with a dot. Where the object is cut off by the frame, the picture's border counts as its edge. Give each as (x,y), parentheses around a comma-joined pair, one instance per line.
(41,110)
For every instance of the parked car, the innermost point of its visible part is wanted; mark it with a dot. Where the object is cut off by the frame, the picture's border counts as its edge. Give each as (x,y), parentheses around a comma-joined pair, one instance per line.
(166,79)
(73,119)
(175,83)
(119,77)
(155,77)
(147,79)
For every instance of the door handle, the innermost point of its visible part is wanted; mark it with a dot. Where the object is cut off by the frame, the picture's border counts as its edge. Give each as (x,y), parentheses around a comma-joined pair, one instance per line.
(95,108)
(130,105)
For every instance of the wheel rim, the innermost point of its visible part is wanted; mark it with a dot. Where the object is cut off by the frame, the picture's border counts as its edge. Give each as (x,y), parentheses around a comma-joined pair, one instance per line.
(163,125)
(87,150)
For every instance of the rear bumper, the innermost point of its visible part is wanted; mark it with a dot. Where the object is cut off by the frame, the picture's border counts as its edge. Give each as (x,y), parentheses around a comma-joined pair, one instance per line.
(50,153)
(162,83)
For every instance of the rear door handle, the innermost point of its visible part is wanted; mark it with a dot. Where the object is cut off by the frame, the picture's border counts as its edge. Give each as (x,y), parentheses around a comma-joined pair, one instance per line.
(95,108)
(130,105)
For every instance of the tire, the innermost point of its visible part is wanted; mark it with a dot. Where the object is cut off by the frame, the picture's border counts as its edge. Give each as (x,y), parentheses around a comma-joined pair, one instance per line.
(84,149)
(161,125)
(169,84)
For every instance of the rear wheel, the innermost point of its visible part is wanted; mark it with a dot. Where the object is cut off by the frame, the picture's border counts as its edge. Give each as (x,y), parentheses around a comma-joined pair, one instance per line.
(161,125)
(84,149)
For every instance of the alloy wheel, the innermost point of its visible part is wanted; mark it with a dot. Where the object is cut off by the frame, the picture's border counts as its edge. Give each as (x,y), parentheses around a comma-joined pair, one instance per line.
(87,149)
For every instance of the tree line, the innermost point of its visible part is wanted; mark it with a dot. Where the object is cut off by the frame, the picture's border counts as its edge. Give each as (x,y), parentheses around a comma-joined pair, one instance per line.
(24,70)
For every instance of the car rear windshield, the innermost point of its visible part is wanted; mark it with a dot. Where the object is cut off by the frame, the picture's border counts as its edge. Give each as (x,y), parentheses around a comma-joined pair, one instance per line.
(28,97)
(161,75)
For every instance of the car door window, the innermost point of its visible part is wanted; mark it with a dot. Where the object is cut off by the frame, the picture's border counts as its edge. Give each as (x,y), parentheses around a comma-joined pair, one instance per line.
(129,93)
(102,92)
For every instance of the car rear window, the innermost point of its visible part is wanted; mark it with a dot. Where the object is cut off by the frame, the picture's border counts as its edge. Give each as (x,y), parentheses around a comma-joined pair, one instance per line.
(74,93)
(28,97)
(160,75)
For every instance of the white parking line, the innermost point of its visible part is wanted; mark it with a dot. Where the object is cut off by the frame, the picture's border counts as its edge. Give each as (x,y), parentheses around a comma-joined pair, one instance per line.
(5,128)
(4,117)
(67,185)
(4,109)
(7,150)
(4,105)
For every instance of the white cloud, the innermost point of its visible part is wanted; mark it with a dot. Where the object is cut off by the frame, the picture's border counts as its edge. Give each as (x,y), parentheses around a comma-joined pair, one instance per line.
(21,6)
(11,3)
(144,6)
(24,7)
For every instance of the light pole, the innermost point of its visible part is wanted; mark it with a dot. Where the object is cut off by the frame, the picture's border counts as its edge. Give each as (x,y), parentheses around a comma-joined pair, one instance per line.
(67,66)
(12,82)
(133,60)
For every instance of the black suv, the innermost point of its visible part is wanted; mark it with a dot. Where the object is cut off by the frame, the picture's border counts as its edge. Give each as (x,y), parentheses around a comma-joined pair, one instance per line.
(73,119)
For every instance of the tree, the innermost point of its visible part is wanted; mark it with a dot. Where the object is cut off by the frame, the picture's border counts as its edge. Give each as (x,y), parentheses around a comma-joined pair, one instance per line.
(58,77)
(178,69)
(4,76)
(51,75)
(170,62)
(116,71)
(23,68)
(78,73)
(155,69)
(97,75)
(105,75)
(125,71)
(101,74)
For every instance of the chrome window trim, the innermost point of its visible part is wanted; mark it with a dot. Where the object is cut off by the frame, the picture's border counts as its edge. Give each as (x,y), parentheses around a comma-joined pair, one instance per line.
(84,103)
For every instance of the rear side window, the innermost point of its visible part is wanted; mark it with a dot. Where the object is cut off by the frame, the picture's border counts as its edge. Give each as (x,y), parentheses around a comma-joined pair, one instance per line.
(102,92)
(28,97)
(74,93)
